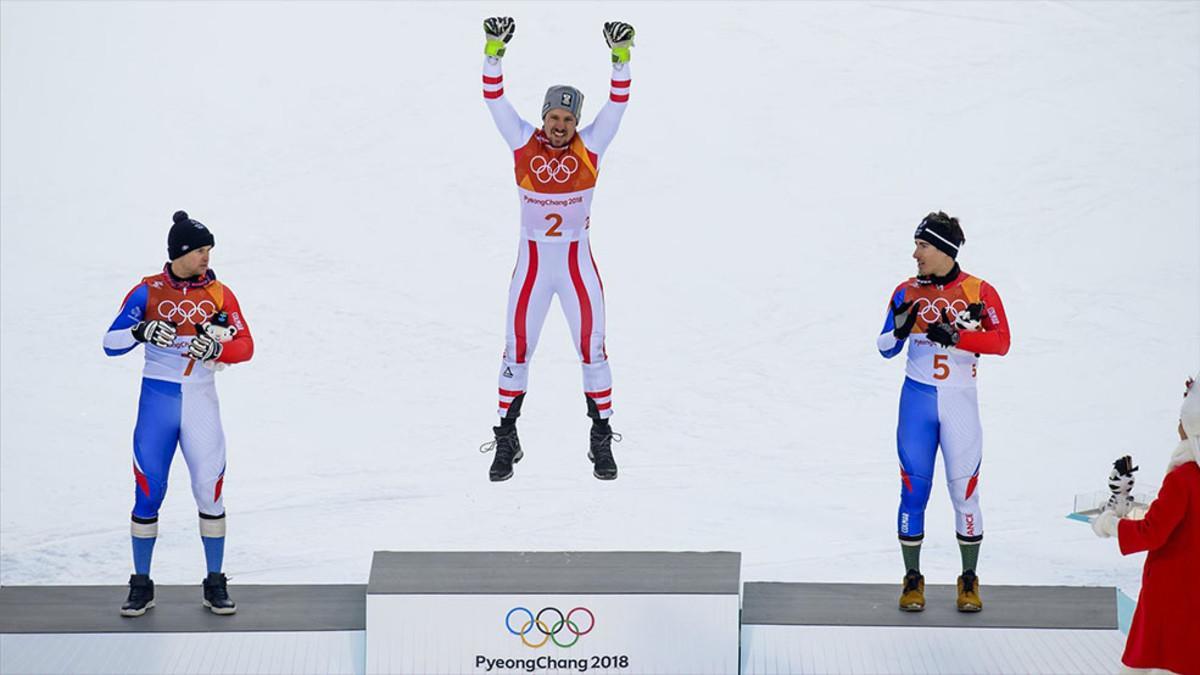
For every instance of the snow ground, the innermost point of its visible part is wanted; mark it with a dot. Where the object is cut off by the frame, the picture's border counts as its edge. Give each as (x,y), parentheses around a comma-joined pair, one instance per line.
(752,216)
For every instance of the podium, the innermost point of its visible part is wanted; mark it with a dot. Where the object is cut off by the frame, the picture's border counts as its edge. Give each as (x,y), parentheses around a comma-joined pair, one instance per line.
(857,628)
(298,630)
(546,612)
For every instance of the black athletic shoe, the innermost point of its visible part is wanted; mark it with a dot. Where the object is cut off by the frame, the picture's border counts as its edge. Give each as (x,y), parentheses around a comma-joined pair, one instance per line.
(141,595)
(604,466)
(216,595)
(508,452)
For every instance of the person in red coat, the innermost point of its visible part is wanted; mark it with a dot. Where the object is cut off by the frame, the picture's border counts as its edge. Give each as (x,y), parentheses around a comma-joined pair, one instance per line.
(1166,625)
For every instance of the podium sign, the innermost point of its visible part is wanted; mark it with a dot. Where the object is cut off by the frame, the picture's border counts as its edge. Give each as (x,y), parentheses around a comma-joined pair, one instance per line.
(594,612)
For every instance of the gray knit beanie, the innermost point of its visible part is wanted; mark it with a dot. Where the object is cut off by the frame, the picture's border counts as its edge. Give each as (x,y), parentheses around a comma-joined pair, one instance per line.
(562,96)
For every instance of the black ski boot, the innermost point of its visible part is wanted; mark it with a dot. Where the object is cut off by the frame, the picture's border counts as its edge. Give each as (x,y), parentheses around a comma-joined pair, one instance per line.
(141,595)
(604,466)
(508,452)
(216,595)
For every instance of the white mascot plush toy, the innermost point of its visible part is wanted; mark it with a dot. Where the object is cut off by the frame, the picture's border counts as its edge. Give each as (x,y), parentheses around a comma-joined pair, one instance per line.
(971,318)
(219,329)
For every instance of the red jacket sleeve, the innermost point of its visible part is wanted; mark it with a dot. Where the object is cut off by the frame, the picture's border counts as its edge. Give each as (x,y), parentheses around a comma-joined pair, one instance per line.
(1164,516)
(994,338)
(241,347)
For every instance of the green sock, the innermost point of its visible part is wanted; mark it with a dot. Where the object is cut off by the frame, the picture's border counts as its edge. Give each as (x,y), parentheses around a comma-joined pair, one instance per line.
(912,557)
(970,555)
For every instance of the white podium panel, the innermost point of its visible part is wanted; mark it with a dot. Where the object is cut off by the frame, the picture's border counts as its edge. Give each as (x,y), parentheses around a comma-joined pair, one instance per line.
(575,633)
(438,613)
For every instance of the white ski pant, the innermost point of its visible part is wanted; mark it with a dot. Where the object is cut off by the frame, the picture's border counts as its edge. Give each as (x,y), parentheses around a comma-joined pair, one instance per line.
(543,270)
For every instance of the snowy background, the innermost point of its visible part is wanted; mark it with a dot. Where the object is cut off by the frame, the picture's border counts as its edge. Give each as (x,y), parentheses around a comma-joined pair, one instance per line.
(752,217)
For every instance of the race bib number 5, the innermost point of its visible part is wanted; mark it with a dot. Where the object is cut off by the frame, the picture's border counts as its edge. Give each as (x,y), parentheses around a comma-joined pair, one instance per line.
(941,367)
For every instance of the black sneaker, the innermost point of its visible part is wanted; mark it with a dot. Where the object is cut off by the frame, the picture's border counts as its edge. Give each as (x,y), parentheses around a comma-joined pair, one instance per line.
(216,595)
(141,595)
(604,466)
(508,452)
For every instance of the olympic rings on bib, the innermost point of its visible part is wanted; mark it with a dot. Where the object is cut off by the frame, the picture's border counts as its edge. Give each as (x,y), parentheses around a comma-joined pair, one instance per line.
(186,310)
(549,632)
(554,169)
(931,310)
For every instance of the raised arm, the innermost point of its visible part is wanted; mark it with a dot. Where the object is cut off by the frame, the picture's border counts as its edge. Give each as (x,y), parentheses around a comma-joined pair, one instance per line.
(600,133)
(516,131)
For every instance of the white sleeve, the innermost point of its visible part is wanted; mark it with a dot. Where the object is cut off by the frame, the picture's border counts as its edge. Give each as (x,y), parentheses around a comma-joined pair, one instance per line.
(886,343)
(117,342)
(516,131)
(597,135)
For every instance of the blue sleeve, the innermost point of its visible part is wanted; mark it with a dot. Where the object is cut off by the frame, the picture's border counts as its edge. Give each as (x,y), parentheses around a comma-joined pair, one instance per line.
(118,340)
(889,325)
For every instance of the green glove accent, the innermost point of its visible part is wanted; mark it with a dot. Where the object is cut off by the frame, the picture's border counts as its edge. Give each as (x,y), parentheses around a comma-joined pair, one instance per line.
(619,36)
(495,48)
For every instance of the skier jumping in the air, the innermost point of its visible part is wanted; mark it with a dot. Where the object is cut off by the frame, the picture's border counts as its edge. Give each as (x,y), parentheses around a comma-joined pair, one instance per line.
(951,318)
(556,169)
(191,325)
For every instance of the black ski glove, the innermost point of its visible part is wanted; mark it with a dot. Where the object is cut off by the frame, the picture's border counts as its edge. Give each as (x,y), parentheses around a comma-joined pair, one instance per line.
(498,30)
(943,332)
(204,347)
(903,318)
(157,332)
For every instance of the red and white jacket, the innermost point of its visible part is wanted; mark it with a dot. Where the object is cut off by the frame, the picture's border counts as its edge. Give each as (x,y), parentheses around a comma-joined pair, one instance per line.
(555,184)
(186,304)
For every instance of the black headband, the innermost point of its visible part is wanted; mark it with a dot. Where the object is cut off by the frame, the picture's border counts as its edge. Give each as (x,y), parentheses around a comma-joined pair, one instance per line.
(938,234)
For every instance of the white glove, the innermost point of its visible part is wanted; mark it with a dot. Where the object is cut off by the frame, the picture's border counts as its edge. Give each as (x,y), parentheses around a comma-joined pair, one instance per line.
(1105,524)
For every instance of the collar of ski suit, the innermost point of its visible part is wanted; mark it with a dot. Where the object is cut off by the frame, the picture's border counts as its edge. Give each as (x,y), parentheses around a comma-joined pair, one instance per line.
(192,282)
(545,141)
(950,278)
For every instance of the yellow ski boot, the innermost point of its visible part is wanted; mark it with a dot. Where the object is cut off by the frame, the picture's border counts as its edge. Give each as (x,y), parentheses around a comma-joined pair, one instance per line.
(968,592)
(912,596)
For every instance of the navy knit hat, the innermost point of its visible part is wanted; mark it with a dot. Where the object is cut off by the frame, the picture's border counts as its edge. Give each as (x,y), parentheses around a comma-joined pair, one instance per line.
(186,236)
(941,231)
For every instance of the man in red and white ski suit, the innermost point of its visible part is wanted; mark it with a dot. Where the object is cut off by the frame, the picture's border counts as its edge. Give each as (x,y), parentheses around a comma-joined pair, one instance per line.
(555,169)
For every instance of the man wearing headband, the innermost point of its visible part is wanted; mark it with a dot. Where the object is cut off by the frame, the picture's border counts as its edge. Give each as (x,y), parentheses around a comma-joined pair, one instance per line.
(948,318)
(556,169)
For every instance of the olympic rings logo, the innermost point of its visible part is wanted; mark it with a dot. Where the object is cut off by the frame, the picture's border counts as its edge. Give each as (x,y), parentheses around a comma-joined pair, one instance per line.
(553,169)
(549,632)
(186,310)
(931,310)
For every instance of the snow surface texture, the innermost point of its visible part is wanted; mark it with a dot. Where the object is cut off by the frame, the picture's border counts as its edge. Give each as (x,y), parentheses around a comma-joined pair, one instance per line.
(751,218)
